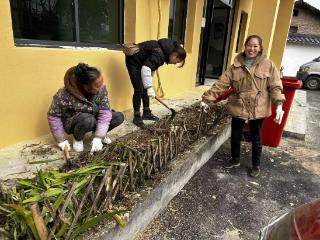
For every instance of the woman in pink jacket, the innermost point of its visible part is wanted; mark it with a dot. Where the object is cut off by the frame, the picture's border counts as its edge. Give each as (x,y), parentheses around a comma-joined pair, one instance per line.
(82,106)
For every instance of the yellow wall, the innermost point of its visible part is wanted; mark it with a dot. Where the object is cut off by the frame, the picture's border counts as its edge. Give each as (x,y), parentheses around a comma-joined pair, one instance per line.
(263,21)
(241,6)
(31,75)
(269,19)
(281,31)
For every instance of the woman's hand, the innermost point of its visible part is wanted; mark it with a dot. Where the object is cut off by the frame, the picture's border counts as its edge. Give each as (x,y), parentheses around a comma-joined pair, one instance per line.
(208,98)
(279,114)
(64,144)
(151,93)
(96,144)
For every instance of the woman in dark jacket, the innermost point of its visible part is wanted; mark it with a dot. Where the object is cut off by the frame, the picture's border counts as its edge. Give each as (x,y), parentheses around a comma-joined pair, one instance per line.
(151,55)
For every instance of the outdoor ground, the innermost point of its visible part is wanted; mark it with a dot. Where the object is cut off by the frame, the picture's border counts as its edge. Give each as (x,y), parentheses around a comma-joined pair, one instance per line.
(227,204)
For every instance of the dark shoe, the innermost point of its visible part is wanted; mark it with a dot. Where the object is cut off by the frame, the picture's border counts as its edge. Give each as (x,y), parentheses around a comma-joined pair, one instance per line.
(254,172)
(147,115)
(232,164)
(137,120)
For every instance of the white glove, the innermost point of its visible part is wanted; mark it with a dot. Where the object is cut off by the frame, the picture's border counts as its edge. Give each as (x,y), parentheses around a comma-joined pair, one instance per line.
(151,92)
(77,146)
(279,114)
(96,144)
(106,140)
(205,107)
(64,144)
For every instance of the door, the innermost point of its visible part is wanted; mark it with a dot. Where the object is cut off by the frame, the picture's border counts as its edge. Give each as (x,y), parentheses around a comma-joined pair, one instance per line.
(215,38)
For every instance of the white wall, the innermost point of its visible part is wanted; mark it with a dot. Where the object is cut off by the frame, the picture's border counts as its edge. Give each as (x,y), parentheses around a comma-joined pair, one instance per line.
(295,55)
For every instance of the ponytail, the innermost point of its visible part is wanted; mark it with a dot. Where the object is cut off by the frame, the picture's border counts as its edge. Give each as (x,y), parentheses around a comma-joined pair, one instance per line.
(86,74)
(181,52)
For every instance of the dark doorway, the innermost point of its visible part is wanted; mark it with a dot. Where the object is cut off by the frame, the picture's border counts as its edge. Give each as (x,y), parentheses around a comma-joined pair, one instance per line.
(215,38)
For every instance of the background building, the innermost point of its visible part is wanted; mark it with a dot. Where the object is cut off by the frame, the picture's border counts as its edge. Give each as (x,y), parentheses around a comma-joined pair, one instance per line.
(41,39)
(303,44)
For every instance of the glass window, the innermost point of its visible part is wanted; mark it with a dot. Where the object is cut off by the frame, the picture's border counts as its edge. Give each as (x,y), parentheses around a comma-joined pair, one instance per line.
(77,21)
(241,31)
(99,21)
(177,19)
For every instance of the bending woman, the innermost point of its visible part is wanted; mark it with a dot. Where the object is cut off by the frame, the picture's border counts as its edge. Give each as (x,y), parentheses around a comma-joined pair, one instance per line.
(151,55)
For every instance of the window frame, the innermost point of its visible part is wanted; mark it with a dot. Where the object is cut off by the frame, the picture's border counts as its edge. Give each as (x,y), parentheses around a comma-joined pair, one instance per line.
(243,22)
(26,42)
(184,23)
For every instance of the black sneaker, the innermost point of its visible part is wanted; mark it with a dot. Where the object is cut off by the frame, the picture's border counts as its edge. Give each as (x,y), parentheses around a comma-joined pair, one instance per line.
(254,172)
(147,115)
(137,120)
(232,164)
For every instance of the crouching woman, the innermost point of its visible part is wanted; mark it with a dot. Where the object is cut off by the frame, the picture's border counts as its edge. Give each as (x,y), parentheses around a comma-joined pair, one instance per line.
(82,106)
(255,82)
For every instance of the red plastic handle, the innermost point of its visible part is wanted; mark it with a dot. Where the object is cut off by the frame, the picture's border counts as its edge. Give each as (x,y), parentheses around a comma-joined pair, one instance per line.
(224,95)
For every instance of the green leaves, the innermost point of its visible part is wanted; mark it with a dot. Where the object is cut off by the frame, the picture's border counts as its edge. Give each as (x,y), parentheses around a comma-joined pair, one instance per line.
(94,220)
(49,189)
(48,193)
(21,214)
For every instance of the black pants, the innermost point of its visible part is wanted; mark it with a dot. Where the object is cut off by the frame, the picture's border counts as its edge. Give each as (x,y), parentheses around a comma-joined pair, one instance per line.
(139,91)
(82,123)
(236,135)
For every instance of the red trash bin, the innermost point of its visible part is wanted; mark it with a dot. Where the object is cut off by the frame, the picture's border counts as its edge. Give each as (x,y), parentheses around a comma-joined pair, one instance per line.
(271,131)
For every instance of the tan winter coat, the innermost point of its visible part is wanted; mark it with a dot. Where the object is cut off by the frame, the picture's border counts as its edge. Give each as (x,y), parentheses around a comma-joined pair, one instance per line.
(254,89)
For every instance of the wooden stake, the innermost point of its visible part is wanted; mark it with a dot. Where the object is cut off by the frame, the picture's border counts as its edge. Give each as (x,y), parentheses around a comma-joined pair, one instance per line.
(160,152)
(131,171)
(39,222)
(170,145)
(78,212)
(63,209)
(105,176)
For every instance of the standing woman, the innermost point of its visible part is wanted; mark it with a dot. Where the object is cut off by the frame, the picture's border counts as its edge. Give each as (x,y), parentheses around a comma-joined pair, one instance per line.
(141,65)
(82,106)
(256,83)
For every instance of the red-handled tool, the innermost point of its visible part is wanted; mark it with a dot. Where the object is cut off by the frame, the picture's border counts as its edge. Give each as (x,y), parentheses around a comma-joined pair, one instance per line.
(173,112)
(69,162)
(224,95)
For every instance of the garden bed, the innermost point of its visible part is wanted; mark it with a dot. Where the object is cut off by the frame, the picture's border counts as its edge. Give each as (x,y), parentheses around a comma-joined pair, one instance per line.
(71,202)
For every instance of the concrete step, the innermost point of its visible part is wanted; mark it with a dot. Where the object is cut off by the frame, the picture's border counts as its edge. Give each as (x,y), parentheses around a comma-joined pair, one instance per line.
(297,119)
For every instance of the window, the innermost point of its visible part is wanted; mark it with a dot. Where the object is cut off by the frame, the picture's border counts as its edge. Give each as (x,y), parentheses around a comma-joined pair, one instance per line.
(228,2)
(177,19)
(241,31)
(293,29)
(65,22)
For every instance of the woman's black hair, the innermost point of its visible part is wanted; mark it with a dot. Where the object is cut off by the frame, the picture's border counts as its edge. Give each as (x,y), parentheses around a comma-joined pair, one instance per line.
(256,37)
(180,52)
(86,74)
